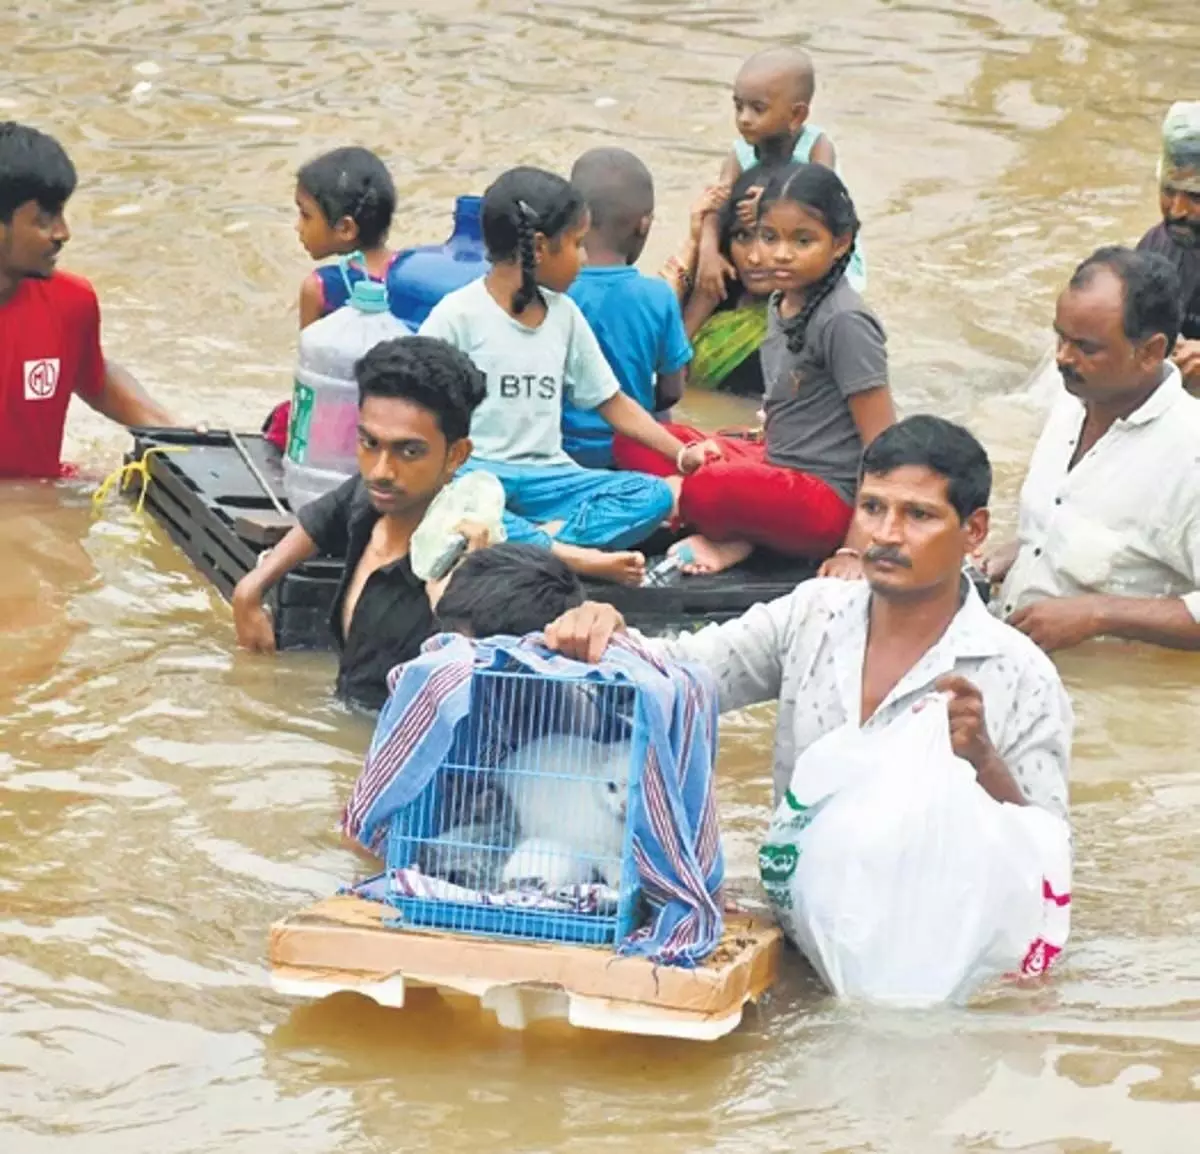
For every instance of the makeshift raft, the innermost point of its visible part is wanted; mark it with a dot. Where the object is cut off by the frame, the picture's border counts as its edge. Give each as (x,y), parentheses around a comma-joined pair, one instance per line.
(341,945)
(214,507)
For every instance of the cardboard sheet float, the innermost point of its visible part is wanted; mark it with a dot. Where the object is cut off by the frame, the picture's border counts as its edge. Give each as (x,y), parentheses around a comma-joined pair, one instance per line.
(341,944)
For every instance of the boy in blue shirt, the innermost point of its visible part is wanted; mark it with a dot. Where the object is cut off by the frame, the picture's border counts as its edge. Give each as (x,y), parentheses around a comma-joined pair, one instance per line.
(636,318)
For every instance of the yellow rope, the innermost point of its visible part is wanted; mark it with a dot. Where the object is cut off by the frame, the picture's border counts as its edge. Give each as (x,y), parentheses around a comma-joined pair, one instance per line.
(126,475)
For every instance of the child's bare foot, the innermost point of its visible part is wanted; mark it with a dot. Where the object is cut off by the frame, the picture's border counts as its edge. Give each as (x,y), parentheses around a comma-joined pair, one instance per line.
(627,568)
(711,556)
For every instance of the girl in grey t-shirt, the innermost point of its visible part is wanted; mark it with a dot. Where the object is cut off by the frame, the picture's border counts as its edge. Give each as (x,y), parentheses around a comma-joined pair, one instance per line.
(824,364)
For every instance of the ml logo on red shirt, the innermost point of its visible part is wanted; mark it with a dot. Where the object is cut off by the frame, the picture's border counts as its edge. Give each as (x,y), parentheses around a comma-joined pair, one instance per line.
(41,379)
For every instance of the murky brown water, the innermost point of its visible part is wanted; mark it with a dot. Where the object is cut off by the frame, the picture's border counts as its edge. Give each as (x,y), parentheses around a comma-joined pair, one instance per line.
(163,797)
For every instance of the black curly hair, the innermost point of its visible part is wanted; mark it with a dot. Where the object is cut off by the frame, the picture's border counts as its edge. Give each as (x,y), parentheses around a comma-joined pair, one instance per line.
(518,205)
(428,372)
(819,191)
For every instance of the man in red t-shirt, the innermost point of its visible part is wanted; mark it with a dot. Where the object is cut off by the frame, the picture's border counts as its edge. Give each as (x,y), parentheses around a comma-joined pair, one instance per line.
(49,320)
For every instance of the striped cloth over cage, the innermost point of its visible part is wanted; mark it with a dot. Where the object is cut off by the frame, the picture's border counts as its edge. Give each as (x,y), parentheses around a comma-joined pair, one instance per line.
(676,839)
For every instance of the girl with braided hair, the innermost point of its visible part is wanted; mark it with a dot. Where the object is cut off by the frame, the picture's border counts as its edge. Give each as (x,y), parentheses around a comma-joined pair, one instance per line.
(824,362)
(536,350)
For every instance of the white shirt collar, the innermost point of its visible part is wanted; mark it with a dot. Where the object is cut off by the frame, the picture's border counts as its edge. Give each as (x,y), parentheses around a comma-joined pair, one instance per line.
(972,633)
(1156,404)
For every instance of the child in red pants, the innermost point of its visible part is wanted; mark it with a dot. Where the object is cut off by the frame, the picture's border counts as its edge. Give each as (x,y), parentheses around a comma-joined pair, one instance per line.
(824,364)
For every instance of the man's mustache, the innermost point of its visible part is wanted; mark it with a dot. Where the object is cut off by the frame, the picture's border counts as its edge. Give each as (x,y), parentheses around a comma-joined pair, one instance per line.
(1069,374)
(887,553)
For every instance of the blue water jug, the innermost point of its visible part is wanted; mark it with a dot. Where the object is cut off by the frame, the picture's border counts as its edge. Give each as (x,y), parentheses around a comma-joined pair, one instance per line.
(421,276)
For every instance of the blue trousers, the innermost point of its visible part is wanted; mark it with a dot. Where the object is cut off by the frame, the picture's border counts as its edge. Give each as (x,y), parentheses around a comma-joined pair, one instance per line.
(597,508)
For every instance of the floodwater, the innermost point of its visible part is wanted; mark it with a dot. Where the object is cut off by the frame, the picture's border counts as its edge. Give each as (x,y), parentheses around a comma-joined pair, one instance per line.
(164,797)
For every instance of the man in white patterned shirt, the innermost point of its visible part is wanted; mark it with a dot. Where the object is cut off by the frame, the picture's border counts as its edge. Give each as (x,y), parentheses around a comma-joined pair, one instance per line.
(836,651)
(1109,538)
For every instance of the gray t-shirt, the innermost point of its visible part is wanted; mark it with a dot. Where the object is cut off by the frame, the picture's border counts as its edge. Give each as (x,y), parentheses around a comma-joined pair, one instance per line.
(809,424)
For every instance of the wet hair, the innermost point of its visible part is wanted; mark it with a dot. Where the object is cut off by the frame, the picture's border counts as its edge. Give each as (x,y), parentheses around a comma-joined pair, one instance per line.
(507,588)
(795,62)
(519,204)
(619,192)
(428,372)
(820,192)
(33,166)
(1153,293)
(352,182)
(940,446)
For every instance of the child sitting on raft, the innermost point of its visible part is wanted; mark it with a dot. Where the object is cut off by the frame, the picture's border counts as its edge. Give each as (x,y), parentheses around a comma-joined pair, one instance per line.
(726,333)
(636,318)
(536,350)
(825,366)
(344,204)
(772,97)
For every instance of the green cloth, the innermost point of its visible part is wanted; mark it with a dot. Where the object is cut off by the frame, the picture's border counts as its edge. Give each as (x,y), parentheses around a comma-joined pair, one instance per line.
(724,341)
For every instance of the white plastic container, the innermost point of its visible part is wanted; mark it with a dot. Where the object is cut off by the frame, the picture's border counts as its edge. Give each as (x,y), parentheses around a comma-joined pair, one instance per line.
(323,430)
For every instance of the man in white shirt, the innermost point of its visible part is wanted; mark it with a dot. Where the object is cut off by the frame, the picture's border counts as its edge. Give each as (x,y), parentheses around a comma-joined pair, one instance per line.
(1109,536)
(863,652)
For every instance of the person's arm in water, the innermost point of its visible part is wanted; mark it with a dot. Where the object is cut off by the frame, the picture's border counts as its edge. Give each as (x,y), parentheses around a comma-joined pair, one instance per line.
(323,526)
(1063,622)
(712,268)
(251,620)
(1172,622)
(123,400)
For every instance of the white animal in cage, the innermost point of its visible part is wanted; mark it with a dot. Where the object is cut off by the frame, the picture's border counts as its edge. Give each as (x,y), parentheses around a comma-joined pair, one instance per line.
(571,800)
(553,864)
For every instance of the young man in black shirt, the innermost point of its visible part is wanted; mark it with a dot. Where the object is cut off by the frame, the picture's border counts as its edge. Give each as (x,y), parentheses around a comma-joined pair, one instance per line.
(416,397)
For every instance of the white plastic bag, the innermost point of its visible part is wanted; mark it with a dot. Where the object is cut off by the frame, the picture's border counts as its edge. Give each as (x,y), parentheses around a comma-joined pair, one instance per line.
(900,879)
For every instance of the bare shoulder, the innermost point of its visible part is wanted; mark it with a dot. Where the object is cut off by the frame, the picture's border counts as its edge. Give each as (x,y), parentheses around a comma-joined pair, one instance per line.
(823,151)
(312,299)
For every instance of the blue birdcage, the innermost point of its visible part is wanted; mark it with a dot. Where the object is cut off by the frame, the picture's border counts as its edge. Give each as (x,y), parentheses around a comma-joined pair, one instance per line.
(526,830)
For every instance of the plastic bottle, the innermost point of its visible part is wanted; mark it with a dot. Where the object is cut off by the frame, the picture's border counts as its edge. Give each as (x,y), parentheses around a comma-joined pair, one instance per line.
(323,432)
(420,277)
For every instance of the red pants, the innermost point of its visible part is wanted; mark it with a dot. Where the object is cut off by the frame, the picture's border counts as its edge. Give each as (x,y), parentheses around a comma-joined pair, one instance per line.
(743,498)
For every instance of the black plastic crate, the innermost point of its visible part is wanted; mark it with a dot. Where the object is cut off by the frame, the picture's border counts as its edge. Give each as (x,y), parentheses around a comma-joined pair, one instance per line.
(215,510)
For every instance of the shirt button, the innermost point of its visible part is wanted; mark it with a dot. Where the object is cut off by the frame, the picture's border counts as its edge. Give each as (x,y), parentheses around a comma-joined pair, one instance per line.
(1008,609)
(1037,552)
(1058,500)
